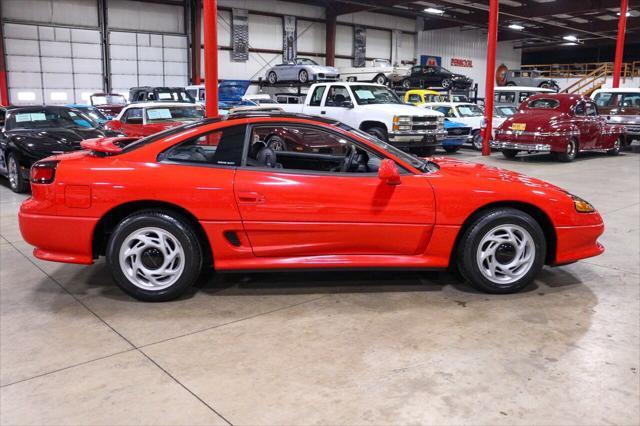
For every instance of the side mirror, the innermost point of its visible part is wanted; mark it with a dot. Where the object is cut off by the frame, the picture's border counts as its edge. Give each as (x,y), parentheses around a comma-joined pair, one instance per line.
(388,172)
(113,125)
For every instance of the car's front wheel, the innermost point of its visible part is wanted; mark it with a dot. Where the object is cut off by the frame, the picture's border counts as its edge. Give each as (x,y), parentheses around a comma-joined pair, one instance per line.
(477,140)
(17,182)
(272,77)
(303,76)
(510,153)
(378,132)
(616,147)
(451,148)
(501,251)
(154,255)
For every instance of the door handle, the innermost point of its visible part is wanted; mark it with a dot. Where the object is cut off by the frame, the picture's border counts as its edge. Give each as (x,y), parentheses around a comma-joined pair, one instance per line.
(323,112)
(250,198)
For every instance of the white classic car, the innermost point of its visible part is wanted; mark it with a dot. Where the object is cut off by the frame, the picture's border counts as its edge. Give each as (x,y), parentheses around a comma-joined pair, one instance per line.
(380,71)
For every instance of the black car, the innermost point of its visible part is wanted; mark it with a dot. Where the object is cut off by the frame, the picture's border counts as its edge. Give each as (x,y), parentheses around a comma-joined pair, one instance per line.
(160,94)
(424,76)
(32,133)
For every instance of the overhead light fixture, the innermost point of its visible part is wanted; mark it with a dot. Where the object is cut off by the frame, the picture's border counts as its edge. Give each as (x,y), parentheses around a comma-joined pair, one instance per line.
(434,11)
(516,27)
(570,38)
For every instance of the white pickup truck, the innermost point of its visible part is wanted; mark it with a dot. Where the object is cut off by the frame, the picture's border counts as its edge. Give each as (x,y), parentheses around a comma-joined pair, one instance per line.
(375,109)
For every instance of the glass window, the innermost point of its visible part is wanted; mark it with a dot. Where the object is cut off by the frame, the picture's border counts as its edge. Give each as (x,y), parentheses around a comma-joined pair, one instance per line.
(337,96)
(221,147)
(470,110)
(316,98)
(629,100)
(415,98)
(47,118)
(505,97)
(544,104)
(308,148)
(447,111)
(580,109)
(604,99)
(590,109)
(367,94)
(133,116)
(524,95)
(164,114)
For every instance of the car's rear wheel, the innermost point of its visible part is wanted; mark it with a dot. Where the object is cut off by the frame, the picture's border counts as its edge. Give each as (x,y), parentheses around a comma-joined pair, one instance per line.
(272,77)
(154,255)
(451,148)
(570,152)
(17,182)
(502,251)
(510,153)
(446,83)
(380,79)
(351,79)
(510,83)
(477,140)
(303,76)
(616,147)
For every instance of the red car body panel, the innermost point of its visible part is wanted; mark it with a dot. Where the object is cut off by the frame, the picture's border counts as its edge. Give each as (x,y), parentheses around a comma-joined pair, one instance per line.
(285,219)
(554,127)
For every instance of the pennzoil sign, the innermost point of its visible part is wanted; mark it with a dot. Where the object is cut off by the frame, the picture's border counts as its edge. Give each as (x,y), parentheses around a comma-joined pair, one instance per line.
(459,62)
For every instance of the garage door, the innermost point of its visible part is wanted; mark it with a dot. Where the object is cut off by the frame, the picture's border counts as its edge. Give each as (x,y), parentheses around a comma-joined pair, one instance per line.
(143,59)
(52,65)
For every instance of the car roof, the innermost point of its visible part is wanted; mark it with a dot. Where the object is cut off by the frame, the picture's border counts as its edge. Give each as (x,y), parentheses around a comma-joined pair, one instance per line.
(256,113)
(26,108)
(617,90)
(423,92)
(450,104)
(527,88)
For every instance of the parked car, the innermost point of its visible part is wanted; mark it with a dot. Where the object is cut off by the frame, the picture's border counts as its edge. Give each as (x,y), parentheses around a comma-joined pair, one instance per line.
(32,133)
(500,114)
(110,104)
(379,71)
(467,113)
(91,111)
(418,97)
(211,194)
(530,78)
(457,135)
(144,119)
(424,76)
(620,106)
(302,70)
(562,124)
(290,98)
(160,94)
(515,95)
(377,110)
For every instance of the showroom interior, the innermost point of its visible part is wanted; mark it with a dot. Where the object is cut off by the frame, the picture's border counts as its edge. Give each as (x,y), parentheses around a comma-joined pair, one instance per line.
(269,212)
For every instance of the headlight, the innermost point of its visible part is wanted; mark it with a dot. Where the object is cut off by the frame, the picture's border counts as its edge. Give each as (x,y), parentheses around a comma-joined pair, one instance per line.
(441,119)
(581,205)
(401,123)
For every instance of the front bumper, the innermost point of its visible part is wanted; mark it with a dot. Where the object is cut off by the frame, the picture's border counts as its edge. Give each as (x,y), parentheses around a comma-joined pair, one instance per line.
(327,77)
(529,147)
(418,139)
(578,242)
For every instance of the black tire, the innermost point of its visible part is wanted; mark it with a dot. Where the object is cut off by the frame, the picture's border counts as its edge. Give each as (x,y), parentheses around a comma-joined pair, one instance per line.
(17,182)
(380,79)
(379,133)
(352,79)
(510,83)
(272,77)
(446,83)
(482,226)
(617,145)
(451,148)
(303,76)
(169,222)
(510,153)
(276,143)
(570,153)
(425,151)
(477,140)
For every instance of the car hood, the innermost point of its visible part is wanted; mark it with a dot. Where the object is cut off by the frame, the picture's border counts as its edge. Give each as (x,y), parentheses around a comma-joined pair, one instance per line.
(232,90)
(465,169)
(402,109)
(52,140)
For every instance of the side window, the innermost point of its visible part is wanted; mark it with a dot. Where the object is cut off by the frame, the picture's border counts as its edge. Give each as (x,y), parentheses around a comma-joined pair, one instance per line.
(591,109)
(505,97)
(447,111)
(580,110)
(308,149)
(337,96)
(416,70)
(316,98)
(630,100)
(414,98)
(524,95)
(221,148)
(133,116)
(3,114)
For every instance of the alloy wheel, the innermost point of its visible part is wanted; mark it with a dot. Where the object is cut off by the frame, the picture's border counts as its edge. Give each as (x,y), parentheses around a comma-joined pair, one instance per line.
(505,254)
(13,172)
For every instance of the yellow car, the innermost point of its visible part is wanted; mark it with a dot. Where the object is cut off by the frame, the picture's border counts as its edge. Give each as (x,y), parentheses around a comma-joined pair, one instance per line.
(418,97)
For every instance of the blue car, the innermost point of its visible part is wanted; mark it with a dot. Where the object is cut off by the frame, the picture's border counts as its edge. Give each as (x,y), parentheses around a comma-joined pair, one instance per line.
(91,111)
(457,135)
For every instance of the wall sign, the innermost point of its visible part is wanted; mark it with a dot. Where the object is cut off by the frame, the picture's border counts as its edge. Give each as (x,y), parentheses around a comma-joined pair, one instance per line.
(430,60)
(359,46)
(501,75)
(240,35)
(459,62)
(290,39)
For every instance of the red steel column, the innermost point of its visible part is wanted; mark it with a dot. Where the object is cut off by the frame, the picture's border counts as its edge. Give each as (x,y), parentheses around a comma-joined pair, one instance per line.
(330,38)
(492,40)
(622,27)
(4,89)
(211,57)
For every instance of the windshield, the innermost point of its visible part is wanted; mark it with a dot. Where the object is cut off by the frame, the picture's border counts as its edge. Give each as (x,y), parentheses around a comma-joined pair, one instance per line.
(108,100)
(418,163)
(162,114)
(43,119)
(176,96)
(469,111)
(370,94)
(95,114)
(305,61)
(544,104)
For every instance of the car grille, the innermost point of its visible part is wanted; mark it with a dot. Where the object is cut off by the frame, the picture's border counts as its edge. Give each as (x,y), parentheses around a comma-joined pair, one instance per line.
(424,124)
(459,131)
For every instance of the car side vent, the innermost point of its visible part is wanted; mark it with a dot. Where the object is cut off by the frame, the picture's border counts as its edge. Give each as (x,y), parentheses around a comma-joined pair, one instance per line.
(232,237)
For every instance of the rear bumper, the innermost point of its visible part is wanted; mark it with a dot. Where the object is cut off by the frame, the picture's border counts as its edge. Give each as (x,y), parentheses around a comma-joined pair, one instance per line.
(518,146)
(578,242)
(59,238)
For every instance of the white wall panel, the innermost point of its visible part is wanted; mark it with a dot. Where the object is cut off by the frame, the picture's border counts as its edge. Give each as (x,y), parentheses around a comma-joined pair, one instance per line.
(55,49)
(22,47)
(139,16)
(311,37)
(379,20)
(378,43)
(280,7)
(265,32)
(65,12)
(59,65)
(23,63)
(86,50)
(344,40)
(55,80)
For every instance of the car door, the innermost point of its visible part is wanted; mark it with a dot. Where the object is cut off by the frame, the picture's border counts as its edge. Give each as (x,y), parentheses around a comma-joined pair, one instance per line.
(303,204)
(416,75)
(589,132)
(315,104)
(132,122)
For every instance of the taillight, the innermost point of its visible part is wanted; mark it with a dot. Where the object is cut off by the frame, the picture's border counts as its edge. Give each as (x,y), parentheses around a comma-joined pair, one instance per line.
(44,172)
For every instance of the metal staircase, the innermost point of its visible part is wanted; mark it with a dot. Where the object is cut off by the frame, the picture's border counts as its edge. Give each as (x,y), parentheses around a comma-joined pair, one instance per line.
(591,81)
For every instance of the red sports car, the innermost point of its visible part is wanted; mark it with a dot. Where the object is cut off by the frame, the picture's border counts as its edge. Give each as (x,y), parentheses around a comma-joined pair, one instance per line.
(144,119)
(559,123)
(214,194)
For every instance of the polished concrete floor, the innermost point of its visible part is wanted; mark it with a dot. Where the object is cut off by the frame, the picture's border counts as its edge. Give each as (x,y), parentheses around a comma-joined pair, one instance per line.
(334,348)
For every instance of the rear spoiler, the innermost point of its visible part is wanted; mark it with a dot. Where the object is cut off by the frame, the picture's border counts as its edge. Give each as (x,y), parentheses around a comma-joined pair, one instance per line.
(106,146)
